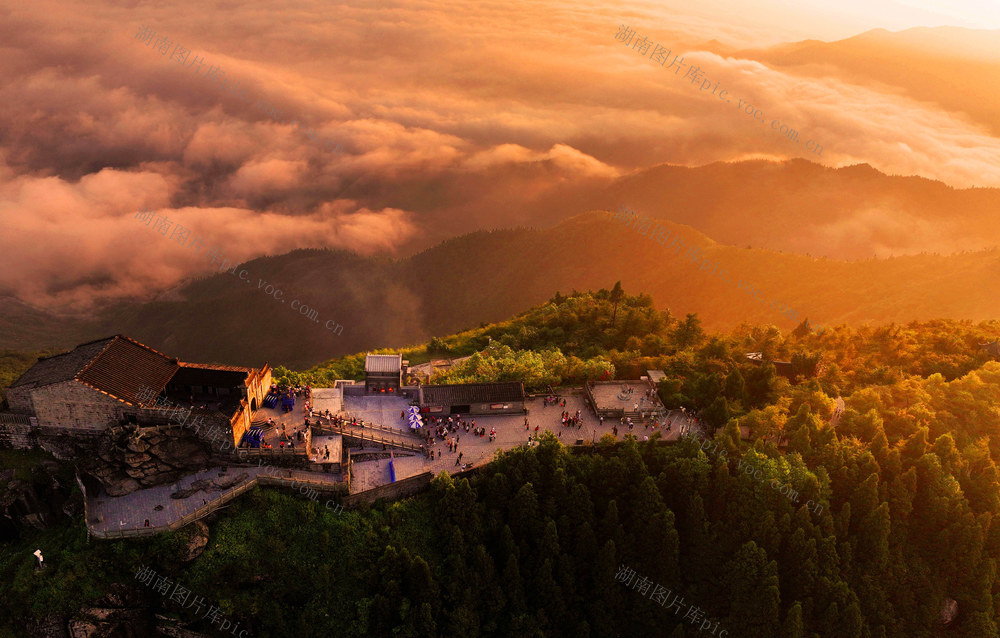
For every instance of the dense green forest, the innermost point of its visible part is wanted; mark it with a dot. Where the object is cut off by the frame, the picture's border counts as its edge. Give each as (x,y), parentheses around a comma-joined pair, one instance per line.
(889,520)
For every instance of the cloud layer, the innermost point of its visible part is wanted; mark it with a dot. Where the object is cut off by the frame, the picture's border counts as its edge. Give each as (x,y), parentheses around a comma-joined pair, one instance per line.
(451,117)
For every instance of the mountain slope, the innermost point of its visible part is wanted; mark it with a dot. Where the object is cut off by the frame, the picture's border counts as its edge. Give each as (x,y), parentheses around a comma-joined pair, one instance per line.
(488,276)
(797,206)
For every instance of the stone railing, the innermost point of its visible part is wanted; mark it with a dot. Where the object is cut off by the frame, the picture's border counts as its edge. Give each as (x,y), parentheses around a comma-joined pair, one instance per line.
(399,489)
(217,502)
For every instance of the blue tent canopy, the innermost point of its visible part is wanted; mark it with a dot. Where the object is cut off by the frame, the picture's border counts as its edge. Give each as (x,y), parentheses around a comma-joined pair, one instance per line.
(253,436)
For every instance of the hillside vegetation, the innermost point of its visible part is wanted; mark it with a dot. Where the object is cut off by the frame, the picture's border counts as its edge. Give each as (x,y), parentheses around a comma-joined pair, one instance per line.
(862,525)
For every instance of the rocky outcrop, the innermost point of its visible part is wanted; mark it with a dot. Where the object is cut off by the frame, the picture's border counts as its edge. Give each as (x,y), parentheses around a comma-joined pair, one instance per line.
(49,627)
(119,614)
(128,459)
(210,485)
(38,500)
(37,505)
(170,627)
(196,544)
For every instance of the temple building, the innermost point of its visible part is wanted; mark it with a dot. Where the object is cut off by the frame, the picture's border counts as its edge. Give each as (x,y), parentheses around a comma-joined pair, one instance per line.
(384,373)
(117,381)
(472,398)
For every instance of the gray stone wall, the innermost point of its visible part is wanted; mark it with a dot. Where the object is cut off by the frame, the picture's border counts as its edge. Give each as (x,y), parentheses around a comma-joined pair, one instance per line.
(484,408)
(72,404)
(17,436)
(392,491)
(19,400)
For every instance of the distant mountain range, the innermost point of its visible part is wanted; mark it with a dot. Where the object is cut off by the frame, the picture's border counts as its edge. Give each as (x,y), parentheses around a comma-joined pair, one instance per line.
(797,206)
(800,232)
(490,276)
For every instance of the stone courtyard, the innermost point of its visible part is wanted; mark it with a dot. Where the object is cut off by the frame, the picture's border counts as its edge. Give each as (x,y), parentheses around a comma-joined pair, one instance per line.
(129,512)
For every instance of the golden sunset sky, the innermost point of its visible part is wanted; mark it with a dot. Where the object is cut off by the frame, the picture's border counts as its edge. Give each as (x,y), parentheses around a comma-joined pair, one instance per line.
(453,117)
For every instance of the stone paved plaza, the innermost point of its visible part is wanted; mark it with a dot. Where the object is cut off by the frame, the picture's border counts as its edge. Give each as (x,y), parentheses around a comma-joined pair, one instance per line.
(130,511)
(385,411)
(511,433)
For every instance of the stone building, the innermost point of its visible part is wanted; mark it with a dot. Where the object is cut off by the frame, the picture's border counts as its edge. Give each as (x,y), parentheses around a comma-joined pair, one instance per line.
(992,348)
(781,368)
(384,373)
(472,398)
(117,381)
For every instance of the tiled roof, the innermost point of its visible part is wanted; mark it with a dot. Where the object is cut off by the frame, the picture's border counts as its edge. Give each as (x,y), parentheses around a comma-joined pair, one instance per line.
(117,366)
(62,367)
(467,393)
(383,363)
(215,366)
(126,366)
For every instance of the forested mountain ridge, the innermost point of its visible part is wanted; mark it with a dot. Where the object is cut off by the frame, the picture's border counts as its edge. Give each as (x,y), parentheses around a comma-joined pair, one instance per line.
(489,276)
(888,525)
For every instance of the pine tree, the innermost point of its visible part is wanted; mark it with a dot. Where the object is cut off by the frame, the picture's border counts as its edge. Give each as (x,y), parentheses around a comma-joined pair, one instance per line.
(752,583)
(793,627)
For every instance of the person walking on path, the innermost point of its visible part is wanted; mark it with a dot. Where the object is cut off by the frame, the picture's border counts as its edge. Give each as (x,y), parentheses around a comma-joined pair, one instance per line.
(459,459)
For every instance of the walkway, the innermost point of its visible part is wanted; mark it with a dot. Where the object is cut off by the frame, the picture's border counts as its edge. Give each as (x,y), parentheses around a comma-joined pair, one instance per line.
(208,490)
(204,492)
(374,436)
